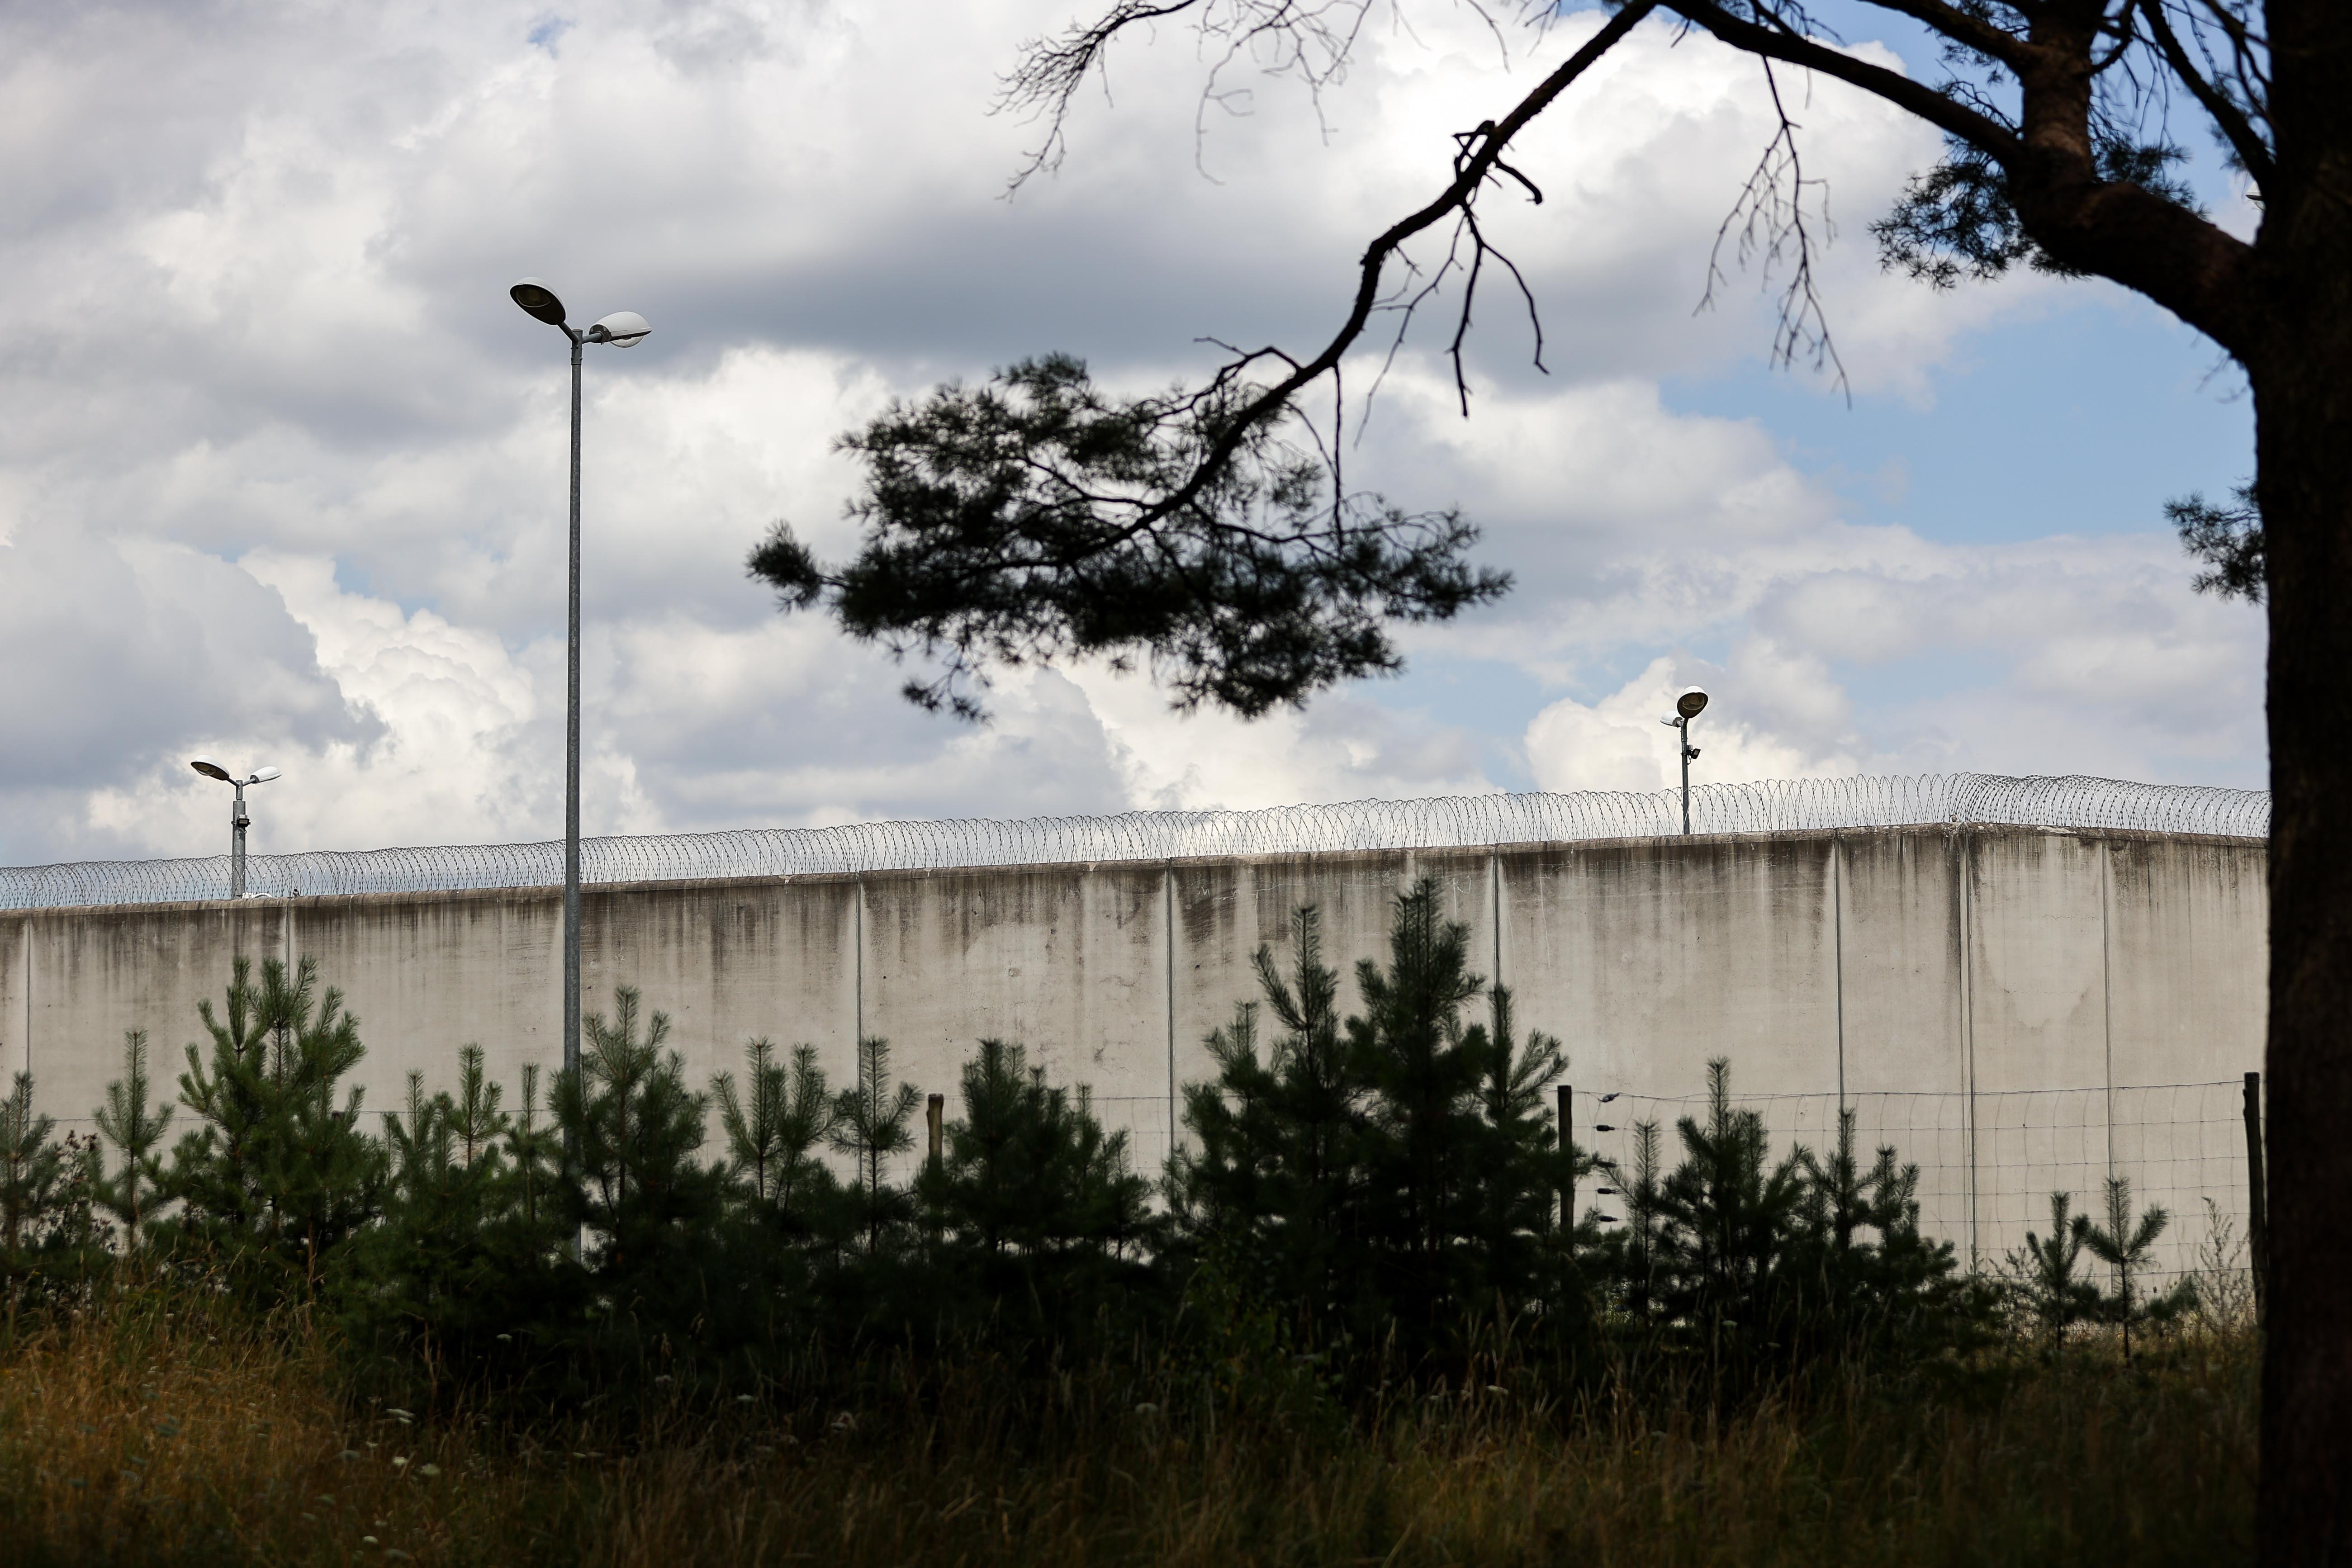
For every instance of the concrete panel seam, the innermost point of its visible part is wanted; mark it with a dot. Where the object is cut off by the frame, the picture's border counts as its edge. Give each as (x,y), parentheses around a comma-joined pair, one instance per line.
(1168,946)
(1495,881)
(1837,931)
(1964,850)
(2107,993)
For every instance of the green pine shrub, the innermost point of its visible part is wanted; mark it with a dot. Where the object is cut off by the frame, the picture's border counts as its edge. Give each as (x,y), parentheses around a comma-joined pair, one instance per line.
(279,1173)
(34,1171)
(1383,1180)
(1041,1228)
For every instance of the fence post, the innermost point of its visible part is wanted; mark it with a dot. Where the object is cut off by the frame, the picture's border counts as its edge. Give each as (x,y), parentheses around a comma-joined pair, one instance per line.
(2258,1224)
(1567,1157)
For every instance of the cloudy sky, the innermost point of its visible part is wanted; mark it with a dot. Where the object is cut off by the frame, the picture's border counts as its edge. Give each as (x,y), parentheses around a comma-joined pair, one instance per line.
(281,469)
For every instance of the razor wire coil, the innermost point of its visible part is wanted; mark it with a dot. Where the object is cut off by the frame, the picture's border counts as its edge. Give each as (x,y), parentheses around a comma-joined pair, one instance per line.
(1951,800)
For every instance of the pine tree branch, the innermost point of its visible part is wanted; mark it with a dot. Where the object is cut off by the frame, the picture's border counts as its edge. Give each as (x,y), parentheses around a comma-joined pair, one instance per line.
(2244,139)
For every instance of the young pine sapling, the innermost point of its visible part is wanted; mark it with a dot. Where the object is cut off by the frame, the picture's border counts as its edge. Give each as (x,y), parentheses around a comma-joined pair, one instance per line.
(773,1129)
(870,1124)
(2123,1244)
(136,1128)
(32,1171)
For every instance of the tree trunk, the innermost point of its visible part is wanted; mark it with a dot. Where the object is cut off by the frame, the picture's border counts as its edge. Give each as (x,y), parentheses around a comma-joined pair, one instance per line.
(2305,473)
(2302,378)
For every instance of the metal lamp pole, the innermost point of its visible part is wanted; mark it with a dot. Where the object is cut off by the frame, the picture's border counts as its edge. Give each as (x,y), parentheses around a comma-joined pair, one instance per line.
(1688,707)
(1682,727)
(238,823)
(237,820)
(624,329)
(572,746)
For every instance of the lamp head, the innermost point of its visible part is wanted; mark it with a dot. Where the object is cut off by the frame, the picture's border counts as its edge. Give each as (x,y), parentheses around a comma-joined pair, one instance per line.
(622,329)
(538,301)
(211,769)
(1691,703)
(263,775)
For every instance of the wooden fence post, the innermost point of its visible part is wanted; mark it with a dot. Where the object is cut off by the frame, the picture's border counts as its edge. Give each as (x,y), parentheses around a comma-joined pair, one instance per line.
(1567,1155)
(2258,1223)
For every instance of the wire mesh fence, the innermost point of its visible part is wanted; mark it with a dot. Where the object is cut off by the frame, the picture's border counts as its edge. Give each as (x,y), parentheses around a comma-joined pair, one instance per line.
(1146,1121)
(1990,1161)
(1782,806)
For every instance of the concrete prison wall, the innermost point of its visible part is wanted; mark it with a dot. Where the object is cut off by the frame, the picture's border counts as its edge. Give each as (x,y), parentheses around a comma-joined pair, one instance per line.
(2017,1009)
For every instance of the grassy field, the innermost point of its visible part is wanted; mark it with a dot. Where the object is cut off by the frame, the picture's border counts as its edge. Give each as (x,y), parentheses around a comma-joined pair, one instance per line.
(155,1437)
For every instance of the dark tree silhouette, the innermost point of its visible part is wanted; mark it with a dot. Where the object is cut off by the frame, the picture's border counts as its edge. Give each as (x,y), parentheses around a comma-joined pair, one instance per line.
(1038,517)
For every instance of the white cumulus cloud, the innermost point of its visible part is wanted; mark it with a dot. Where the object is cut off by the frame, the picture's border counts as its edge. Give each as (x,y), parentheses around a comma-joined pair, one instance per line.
(282,471)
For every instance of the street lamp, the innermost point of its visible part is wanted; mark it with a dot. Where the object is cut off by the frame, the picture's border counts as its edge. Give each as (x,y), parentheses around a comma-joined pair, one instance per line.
(1688,707)
(237,820)
(622,329)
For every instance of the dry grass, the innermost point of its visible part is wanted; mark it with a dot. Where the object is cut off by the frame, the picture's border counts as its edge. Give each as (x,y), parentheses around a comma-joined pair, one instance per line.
(162,1438)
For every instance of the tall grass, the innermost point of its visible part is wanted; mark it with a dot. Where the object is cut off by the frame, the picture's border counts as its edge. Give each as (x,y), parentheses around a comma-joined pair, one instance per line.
(167,1429)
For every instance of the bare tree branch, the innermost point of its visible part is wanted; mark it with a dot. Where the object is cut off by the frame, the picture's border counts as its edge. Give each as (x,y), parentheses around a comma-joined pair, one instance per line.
(1473,174)
(1963,27)
(1775,231)
(2083,208)
(1051,72)
(1778,43)
(1311,40)
(2251,149)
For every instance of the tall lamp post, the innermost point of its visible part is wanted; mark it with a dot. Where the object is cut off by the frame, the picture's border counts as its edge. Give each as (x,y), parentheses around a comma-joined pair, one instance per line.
(1688,707)
(622,329)
(237,820)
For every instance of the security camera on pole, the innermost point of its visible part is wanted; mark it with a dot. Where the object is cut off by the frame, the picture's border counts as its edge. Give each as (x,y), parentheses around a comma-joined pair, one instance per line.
(622,329)
(1688,707)
(237,820)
